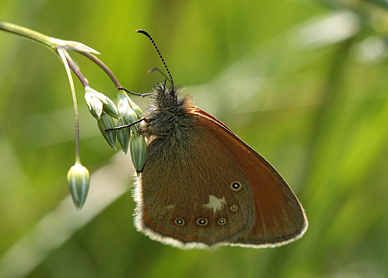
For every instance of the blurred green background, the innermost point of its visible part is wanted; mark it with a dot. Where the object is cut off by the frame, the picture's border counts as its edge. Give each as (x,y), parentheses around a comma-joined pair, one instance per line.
(303,82)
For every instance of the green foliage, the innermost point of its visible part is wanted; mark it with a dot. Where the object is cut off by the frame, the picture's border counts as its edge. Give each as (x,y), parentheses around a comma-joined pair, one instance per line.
(302,82)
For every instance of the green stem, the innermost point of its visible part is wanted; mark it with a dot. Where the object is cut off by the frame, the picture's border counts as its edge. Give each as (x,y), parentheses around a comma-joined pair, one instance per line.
(64,56)
(27,33)
(55,44)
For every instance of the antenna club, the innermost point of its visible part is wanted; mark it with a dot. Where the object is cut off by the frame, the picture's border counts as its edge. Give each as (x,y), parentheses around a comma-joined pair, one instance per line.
(143,32)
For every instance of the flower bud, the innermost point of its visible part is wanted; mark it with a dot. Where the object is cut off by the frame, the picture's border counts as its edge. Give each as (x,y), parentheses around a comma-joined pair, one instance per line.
(95,105)
(124,108)
(135,108)
(123,97)
(106,122)
(78,180)
(126,112)
(92,97)
(138,151)
(124,135)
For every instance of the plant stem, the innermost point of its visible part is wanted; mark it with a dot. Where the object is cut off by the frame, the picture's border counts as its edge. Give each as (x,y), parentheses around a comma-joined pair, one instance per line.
(77,72)
(27,33)
(65,57)
(103,67)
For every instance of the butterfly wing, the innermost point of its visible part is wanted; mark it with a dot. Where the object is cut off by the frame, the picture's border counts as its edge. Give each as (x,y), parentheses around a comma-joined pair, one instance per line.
(206,187)
(186,194)
(279,217)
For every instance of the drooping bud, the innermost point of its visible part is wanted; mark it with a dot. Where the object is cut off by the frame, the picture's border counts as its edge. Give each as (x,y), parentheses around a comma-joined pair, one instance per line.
(96,101)
(124,135)
(95,104)
(135,108)
(126,111)
(133,105)
(78,180)
(126,117)
(138,151)
(105,122)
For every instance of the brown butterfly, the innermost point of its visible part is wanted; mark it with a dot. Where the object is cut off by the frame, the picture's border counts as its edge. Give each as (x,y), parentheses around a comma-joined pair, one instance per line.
(202,186)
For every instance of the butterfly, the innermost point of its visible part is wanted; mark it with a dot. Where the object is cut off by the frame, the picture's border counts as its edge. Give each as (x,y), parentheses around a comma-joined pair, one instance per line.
(202,186)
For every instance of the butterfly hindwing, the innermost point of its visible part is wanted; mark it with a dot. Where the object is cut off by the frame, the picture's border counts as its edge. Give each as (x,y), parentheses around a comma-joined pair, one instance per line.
(279,217)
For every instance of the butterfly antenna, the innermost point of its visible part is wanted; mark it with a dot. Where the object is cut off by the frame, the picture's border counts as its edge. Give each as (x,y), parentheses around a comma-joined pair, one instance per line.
(160,54)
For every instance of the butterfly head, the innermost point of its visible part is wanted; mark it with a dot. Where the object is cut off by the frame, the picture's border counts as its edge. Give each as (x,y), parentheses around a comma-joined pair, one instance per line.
(166,96)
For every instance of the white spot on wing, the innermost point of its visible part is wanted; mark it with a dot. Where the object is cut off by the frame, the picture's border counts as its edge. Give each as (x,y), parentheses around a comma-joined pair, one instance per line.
(215,203)
(169,207)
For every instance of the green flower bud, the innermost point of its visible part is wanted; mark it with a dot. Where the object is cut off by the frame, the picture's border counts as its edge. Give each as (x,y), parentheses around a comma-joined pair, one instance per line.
(123,96)
(105,122)
(107,104)
(95,104)
(135,108)
(138,151)
(78,180)
(124,135)
(126,113)
(110,108)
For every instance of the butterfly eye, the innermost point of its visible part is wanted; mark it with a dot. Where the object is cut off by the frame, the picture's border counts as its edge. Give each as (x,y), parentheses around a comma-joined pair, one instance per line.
(234,208)
(179,222)
(202,221)
(167,101)
(221,221)
(236,186)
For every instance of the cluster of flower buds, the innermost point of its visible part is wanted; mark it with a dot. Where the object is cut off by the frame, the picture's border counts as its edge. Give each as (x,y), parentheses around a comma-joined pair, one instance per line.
(104,110)
(126,113)
(113,121)
(129,112)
